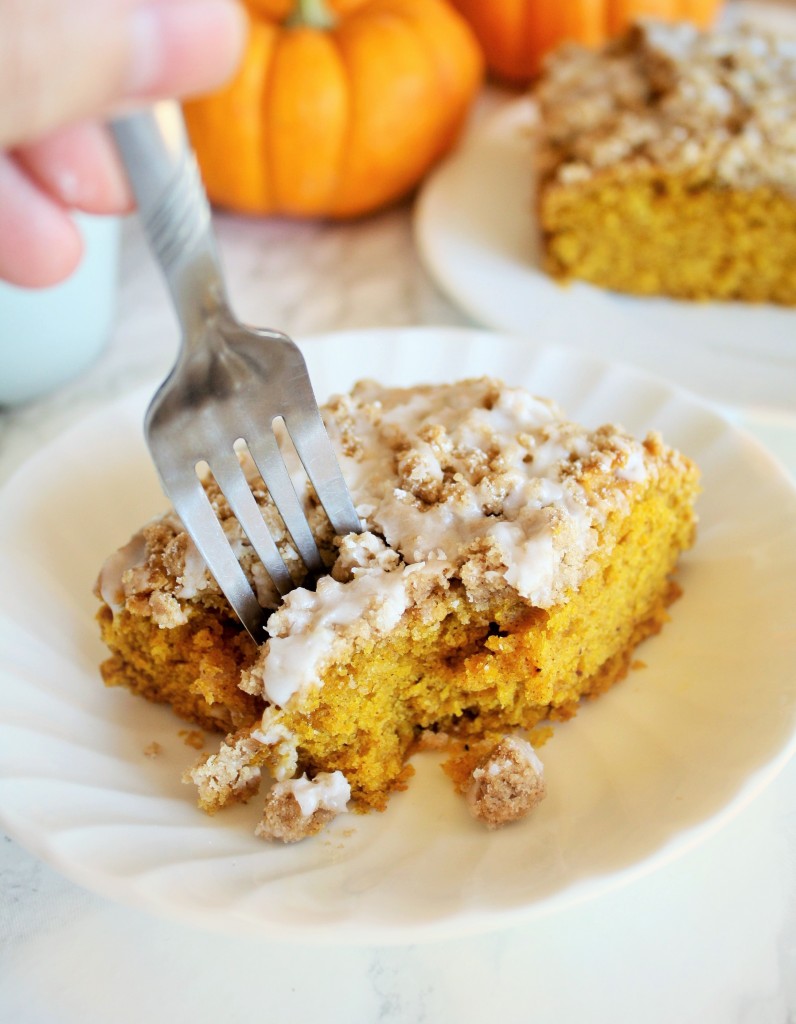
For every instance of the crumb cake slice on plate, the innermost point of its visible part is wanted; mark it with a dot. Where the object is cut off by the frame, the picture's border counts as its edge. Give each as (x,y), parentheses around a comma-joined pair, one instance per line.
(509,564)
(668,164)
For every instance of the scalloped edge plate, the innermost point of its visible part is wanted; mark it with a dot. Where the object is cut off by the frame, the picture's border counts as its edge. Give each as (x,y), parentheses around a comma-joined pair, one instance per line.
(637,778)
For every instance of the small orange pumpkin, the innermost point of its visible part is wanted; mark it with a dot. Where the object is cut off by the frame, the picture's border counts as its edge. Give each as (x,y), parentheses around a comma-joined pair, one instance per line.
(516,34)
(336,110)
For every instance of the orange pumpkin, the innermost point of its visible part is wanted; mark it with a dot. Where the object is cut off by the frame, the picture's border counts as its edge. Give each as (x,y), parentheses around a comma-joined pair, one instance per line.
(279,10)
(336,114)
(516,34)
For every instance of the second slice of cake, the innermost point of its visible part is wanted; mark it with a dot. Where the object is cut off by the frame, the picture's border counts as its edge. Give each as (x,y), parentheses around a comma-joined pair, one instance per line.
(669,164)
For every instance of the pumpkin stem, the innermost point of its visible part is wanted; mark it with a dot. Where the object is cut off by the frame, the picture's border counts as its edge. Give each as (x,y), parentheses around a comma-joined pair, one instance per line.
(312,13)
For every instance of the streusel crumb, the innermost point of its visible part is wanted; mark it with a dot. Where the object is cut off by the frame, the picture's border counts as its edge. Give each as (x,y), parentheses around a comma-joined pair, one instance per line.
(282,819)
(506,784)
(675,98)
(298,808)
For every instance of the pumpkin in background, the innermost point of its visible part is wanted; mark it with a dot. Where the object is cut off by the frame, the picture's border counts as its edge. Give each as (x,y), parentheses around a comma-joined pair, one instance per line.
(516,34)
(336,109)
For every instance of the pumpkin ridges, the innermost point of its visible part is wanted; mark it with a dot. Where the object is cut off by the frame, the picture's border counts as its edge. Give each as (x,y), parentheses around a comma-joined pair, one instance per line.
(234,114)
(280,10)
(511,42)
(399,91)
(307,112)
(273,10)
(455,62)
(549,23)
(263,115)
(343,7)
(340,170)
(552,23)
(584,22)
(499,30)
(386,150)
(540,22)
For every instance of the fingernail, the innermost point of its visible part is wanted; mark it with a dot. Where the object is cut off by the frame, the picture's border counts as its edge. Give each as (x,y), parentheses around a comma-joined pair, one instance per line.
(180,47)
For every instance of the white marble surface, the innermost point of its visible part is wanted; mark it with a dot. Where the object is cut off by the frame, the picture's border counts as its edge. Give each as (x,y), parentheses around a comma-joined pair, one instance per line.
(711,938)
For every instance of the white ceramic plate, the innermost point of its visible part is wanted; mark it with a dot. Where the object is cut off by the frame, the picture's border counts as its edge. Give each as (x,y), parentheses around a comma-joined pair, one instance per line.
(477,235)
(635,779)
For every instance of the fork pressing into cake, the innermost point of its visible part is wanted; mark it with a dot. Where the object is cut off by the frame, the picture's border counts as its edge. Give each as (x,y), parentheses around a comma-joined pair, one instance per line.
(230,382)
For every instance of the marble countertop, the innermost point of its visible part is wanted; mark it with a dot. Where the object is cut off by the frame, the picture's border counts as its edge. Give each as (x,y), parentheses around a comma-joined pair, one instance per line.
(709,938)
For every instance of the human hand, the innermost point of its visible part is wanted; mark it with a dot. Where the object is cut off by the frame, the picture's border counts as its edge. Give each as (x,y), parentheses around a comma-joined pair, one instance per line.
(65,66)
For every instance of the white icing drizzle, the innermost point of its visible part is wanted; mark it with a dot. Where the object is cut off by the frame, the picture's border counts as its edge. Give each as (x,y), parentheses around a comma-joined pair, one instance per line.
(303,632)
(194,576)
(328,791)
(115,566)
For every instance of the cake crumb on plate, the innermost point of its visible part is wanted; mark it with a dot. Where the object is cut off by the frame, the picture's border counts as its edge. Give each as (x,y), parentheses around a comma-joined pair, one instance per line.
(507,783)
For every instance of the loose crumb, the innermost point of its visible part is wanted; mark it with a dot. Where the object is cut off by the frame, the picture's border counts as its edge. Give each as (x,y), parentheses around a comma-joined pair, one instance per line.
(192,738)
(301,807)
(283,819)
(464,756)
(153,750)
(430,739)
(506,784)
(540,735)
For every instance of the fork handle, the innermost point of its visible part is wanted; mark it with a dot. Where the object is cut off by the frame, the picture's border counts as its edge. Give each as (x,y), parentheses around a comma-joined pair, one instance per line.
(174,209)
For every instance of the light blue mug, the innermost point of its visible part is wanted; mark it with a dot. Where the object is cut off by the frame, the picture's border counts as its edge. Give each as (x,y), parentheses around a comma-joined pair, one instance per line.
(49,335)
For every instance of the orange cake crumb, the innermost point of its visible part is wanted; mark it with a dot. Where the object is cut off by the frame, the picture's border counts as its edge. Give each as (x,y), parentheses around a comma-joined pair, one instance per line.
(192,738)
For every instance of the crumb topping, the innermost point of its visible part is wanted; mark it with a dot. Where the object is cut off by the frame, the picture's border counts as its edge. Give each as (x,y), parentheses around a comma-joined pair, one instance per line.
(507,783)
(159,572)
(298,808)
(483,477)
(476,482)
(442,473)
(230,774)
(719,106)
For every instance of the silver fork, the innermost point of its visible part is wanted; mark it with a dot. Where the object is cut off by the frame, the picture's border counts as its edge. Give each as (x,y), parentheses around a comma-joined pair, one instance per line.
(230,382)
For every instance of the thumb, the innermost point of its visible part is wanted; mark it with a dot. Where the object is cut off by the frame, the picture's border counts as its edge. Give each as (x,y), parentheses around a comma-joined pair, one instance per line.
(60,62)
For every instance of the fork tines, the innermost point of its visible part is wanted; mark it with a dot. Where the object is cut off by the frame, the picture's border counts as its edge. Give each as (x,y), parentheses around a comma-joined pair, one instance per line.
(179,445)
